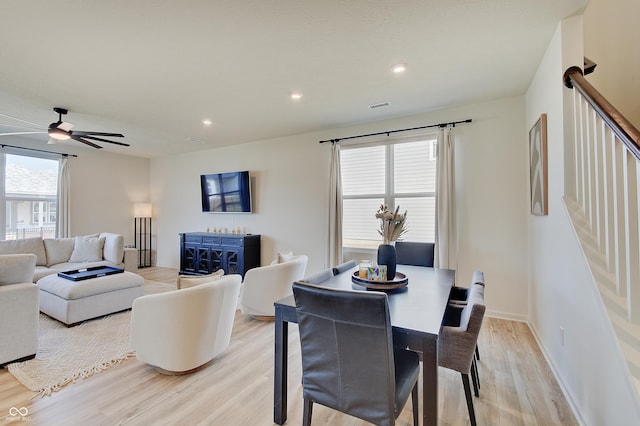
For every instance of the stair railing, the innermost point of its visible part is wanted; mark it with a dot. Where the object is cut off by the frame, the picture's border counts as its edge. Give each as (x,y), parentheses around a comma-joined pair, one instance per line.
(607,184)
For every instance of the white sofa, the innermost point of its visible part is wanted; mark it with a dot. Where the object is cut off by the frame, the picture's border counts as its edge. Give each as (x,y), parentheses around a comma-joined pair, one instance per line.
(19,301)
(65,254)
(182,330)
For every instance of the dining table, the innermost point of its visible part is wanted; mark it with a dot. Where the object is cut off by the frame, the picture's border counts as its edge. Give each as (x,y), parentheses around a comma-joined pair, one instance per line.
(416,309)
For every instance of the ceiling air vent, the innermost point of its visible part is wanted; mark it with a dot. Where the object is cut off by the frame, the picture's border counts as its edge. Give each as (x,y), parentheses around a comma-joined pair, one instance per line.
(379,105)
(198,141)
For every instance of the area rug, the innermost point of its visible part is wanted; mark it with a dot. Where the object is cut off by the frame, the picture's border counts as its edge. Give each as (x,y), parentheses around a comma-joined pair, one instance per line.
(67,354)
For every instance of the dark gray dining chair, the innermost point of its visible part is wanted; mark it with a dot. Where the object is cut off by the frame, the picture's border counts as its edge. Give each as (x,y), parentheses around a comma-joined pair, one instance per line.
(414,253)
(344,267)
(459,296)
(318,277)
(458,340)
(349,362)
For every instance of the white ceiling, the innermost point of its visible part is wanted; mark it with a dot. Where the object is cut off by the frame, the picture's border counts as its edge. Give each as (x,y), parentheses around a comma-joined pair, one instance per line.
(154,69)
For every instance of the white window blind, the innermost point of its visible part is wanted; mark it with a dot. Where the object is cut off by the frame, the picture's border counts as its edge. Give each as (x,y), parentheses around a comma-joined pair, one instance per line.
(395,174)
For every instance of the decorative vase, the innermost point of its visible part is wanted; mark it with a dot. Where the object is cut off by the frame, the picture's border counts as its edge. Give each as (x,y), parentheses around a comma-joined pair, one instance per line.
(387,256)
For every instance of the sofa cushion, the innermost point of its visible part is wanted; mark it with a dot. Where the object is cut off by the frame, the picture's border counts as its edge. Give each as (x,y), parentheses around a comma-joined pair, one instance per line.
(186,281)
(58,250)
(25,245)
(41,272)
(113,247)
(87,249)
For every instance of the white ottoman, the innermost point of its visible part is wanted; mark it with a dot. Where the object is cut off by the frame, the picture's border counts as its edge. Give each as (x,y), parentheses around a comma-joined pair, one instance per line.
(72,302)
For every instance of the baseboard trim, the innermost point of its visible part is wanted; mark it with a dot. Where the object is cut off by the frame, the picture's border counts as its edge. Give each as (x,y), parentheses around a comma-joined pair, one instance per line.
(565,390)
(506,316)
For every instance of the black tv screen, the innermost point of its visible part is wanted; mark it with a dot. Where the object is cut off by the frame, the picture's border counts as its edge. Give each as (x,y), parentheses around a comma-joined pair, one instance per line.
(226,192)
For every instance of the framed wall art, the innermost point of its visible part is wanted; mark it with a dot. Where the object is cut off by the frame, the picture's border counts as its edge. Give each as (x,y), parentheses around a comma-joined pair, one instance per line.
(538,167)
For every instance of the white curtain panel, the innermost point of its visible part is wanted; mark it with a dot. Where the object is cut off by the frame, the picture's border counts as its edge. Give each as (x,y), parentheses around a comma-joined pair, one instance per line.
(64,202)
(334,252)
(446,253)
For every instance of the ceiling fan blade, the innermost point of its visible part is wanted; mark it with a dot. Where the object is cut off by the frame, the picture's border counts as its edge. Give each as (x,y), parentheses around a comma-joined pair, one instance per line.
(21,133)
(65,126)
(113,135)
(19,119)
(79,139)
(104,140)
(19,126)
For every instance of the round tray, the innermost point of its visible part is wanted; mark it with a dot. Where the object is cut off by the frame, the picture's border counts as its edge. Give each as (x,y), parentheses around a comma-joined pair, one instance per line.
(399,281)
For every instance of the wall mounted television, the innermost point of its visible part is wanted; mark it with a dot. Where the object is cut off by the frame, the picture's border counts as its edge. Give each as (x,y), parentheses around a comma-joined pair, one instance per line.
(226,192)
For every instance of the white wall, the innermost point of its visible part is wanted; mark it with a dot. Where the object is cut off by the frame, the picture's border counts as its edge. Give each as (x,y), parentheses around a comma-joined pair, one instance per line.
(288,186)
(611,35)
(291,187)
(562,292)
(104,187)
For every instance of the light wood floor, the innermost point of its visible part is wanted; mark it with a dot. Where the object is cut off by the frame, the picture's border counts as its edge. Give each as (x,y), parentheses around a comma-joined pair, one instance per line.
(518,387)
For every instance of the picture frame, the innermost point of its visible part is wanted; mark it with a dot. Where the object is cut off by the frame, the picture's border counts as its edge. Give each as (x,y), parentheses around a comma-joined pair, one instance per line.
(538,167)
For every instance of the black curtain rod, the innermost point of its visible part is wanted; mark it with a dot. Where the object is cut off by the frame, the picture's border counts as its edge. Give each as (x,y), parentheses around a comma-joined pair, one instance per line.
(38,150)
(452,123)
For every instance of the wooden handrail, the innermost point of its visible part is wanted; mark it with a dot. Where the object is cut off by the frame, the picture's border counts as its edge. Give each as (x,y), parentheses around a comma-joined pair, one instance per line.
(625,131)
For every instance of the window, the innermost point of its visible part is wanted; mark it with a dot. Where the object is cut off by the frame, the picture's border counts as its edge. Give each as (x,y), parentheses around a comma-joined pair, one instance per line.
(402,173)
(433,150)
(29,193)
(43,212)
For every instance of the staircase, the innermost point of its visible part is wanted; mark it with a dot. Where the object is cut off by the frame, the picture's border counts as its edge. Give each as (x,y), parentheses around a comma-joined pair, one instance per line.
(603,203)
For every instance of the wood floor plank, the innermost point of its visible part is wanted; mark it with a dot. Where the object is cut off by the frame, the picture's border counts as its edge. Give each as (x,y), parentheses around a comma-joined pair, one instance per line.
(517,386)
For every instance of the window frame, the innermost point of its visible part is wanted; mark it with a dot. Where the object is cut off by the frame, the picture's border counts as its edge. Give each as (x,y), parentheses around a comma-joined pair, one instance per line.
(4,199)
(389,195)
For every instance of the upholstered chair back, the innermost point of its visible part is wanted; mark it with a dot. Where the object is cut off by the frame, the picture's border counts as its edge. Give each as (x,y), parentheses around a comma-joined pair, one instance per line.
(266,284)
(181,330)
(17,268)
(456,347)
(414,253)
(348,360)
(319,277)
(338,269)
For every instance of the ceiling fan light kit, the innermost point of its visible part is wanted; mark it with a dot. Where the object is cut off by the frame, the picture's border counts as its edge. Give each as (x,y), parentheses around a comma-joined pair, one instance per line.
(60,135)
(55,131)
(61,130)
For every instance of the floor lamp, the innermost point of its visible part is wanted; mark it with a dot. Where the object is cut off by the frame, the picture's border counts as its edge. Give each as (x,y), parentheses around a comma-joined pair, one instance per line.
(142,232)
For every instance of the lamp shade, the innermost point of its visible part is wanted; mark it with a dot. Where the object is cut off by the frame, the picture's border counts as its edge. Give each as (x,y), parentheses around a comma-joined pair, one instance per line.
(142,210)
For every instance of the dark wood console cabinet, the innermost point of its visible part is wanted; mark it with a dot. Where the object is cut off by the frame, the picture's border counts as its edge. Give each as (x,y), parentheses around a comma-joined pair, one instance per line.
(203,253)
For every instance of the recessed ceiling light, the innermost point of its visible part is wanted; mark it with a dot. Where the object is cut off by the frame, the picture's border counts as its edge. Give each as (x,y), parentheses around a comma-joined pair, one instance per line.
(207,122)
(296,96)
(399,68)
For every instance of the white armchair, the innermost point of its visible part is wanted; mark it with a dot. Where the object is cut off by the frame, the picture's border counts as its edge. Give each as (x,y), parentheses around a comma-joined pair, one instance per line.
(19,308)
(182,330)
(264,285)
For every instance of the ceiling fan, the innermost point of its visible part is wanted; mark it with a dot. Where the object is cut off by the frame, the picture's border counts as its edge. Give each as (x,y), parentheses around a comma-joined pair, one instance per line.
(61,130)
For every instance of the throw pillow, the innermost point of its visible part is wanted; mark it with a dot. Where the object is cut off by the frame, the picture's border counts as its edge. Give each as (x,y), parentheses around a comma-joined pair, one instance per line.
(282,256)
(186,281)
(113,247)
(285,256)
(58,250)
(87,249)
